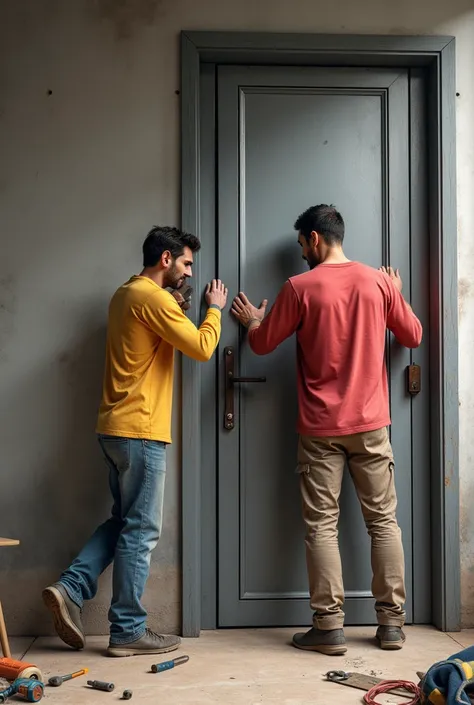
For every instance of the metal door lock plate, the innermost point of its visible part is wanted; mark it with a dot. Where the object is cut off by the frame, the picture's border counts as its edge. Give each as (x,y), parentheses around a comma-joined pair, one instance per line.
(414,379)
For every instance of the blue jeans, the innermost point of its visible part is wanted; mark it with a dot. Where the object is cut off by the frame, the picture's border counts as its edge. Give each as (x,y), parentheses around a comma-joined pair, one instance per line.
(137,481)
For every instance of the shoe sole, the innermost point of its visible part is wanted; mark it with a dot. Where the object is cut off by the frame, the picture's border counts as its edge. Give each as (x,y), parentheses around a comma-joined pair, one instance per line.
(63,624)
(122,652)
(326,649)
(391,645)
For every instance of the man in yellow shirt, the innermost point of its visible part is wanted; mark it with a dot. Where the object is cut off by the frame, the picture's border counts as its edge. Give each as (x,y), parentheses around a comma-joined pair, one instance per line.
(146,324)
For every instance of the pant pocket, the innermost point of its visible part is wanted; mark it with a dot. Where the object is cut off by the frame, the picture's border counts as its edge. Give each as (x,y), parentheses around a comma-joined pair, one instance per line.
(116,451)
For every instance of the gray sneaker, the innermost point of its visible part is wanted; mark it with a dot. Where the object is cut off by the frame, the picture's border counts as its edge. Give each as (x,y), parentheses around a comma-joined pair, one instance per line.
(66,615)
(149,643)
(390,638)
(330,642)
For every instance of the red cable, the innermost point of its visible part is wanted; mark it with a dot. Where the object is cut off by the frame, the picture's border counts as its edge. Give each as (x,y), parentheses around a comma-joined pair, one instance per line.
(385,686)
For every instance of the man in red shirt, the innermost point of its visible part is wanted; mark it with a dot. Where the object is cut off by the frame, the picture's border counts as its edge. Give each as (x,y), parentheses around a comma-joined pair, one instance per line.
(340,311)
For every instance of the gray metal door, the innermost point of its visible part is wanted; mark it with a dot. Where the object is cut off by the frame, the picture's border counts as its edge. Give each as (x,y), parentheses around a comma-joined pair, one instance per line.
(289,138)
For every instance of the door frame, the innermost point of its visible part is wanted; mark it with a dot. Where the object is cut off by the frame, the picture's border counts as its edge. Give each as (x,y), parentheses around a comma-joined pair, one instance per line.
(435,55)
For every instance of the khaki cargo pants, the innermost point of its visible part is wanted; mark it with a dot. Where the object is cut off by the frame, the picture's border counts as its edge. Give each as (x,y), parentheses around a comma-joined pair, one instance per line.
(321,465)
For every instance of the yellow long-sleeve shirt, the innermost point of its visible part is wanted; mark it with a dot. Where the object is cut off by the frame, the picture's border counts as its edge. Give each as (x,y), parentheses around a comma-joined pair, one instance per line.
(145,325)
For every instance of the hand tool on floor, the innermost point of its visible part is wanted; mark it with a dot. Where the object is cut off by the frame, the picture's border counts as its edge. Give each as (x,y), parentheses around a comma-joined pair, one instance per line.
(127,695)
(11,669)
(101,685)
(360,681)
(56,681)
(166,665)
(29,689)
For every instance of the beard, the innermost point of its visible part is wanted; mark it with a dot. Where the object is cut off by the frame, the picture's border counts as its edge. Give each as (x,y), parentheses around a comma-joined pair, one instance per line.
(312,260)
(174,280)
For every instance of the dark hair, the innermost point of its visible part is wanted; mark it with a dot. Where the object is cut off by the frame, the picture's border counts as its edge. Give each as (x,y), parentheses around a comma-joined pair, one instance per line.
(160,239)
(324,220)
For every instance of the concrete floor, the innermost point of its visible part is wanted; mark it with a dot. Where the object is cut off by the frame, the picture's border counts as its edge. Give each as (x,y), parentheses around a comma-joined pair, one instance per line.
(247,666)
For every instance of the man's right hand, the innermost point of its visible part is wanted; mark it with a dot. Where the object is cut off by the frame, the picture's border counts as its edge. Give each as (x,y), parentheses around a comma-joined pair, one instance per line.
(216,294)
(394,275)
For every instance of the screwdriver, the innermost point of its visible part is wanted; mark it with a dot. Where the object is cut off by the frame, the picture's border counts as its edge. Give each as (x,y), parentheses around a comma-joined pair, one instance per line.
(101,685)
(166,665)
(56,681)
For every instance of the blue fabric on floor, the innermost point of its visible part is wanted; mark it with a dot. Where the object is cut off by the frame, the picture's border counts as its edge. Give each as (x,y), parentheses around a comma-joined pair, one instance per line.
(446,682)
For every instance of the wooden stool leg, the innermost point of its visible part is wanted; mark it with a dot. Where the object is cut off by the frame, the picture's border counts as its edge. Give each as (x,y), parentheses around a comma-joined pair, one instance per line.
(3,635)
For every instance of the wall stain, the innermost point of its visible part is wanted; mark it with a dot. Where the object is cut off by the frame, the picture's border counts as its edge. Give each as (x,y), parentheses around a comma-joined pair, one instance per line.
(126,15)
(464,292)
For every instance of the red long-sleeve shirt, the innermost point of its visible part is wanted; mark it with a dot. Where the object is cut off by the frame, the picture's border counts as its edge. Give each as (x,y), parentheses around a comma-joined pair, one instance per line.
(340,313)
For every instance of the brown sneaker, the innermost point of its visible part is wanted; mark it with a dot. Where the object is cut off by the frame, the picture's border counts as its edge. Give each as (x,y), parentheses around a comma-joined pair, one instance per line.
(390,638)
(330,642)
(66,615)
(149,643)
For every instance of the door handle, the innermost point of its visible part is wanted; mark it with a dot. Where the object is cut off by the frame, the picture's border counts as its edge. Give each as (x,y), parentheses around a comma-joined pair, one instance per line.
(230,380)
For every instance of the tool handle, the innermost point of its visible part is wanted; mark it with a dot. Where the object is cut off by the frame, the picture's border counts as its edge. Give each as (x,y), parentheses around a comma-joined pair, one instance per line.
(165,666)
(101,685)
(6,693)
(82,672)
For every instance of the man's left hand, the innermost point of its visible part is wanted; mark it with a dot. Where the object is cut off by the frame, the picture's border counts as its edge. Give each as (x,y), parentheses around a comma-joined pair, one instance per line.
(394,275)
(183,296)
(248,314)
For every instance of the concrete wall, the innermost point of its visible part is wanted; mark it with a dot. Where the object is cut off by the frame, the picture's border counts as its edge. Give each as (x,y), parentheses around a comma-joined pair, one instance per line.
(89,124)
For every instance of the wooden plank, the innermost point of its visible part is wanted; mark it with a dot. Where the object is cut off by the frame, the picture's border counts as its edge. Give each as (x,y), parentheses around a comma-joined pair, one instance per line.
(8,542)
(3,636)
